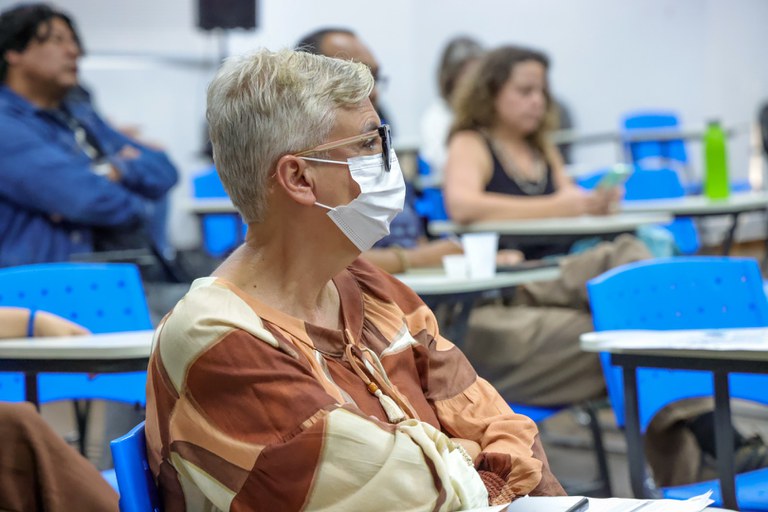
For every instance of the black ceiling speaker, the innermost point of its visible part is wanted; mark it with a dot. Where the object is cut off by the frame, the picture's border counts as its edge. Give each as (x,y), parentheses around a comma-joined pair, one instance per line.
(225,14)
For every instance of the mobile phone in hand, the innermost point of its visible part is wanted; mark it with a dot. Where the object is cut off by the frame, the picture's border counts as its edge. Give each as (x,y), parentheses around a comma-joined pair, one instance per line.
(615,176)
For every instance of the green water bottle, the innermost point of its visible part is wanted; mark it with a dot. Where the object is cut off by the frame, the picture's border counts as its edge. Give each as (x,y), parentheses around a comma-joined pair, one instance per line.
(715,162)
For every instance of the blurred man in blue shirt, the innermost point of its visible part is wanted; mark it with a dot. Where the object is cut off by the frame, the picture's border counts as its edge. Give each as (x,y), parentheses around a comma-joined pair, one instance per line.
(64,172)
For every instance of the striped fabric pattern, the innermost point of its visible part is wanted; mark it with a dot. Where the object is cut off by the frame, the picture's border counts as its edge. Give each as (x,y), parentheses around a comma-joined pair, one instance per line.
(251,409)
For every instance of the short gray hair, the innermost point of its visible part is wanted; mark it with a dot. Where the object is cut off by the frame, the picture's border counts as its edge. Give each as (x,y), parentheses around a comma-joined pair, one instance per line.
(268,104)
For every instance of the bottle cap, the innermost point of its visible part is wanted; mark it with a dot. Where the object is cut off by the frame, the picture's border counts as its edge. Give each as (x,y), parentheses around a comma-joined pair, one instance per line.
(713,121)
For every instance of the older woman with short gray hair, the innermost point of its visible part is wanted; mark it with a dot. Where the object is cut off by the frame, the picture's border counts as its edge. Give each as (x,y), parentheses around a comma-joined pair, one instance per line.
(298,376)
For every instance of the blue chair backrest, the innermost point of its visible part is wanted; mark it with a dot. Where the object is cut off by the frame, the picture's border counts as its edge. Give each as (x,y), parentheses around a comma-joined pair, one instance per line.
(653,184)
(103,297)
(665,151)
(430,204)
(138,492)
(664,184)
(678,293)
(220,231)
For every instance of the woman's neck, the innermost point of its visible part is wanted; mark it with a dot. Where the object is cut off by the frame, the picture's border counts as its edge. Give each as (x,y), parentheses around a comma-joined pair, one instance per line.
(509,136)
(289,278)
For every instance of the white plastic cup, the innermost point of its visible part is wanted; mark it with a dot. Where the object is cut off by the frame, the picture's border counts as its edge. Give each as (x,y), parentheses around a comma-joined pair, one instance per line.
(480,250)
(455,266)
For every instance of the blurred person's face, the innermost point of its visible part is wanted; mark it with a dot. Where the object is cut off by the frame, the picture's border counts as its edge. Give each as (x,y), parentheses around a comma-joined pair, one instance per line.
(521,103)
(348,47)
(50,60)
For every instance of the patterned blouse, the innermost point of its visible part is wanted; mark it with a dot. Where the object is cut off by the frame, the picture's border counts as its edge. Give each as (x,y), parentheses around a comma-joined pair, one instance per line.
(251,409)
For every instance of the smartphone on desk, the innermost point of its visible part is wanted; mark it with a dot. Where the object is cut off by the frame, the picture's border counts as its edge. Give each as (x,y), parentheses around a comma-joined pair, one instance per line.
(549,504)
(530,265)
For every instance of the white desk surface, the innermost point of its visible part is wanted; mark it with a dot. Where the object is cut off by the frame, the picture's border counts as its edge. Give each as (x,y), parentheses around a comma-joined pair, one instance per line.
(123,345)
(638,134)
(438,283)
(699,205)
(745,343)
(585,225)
(210,206)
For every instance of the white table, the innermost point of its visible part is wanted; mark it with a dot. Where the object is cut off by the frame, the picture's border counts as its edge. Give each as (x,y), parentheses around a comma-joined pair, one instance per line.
(720,351)
(436,283)
(452,299)
(638,135)
(701,206)
(691,206)
(95,353)
(210,206)
(586,225)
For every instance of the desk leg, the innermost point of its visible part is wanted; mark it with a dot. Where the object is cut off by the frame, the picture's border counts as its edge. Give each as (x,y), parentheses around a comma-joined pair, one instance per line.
(460,323)
(635,452)
(728,242)
(765,243)
(452,315)
(724,440)
(30,389)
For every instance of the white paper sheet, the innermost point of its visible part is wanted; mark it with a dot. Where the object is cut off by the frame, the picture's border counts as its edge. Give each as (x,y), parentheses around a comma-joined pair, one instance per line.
(695,504)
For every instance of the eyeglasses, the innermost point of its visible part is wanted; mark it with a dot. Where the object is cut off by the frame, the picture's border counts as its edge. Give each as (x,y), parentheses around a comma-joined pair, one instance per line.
(370,139)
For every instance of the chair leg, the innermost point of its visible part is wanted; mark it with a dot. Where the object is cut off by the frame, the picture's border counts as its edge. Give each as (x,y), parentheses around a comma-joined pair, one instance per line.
(82,412)
(601,457)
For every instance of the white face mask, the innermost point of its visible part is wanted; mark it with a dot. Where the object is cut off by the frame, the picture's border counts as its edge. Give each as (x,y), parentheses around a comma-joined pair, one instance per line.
(365,220)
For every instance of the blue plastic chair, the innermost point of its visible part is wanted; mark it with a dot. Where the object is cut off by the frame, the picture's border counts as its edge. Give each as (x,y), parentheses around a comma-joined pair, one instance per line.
(654,153)
(138,492)
(103,297)
(222,232)
(684,293)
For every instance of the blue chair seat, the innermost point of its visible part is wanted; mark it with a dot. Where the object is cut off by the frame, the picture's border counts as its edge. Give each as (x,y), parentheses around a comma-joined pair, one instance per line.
(537,414)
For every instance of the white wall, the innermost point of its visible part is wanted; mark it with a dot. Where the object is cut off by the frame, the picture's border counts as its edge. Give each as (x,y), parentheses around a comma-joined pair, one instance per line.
(703,58)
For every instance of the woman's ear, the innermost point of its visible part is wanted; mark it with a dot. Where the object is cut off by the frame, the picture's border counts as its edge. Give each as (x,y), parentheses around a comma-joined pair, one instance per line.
(296,179)
(11,57)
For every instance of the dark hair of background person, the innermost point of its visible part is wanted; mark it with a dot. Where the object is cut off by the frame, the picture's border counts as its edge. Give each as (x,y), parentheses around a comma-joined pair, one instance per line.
(475,101)
(311,42)
(21,24)
(457,53)
(763,120)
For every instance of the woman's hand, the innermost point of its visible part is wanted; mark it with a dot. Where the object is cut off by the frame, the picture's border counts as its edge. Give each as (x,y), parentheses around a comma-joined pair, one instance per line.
(508,257)
(471,447)
(573,201)
(608,199)
(48,324)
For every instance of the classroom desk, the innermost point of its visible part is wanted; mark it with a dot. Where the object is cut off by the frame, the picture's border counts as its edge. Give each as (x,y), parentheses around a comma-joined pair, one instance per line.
(585,225)
(701,206)
(720,351)
(637,135)
(95,353)
(452,299)
(210,206)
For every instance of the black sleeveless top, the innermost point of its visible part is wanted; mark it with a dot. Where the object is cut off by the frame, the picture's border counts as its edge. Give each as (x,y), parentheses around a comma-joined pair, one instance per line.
(537,247)
(501,183)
